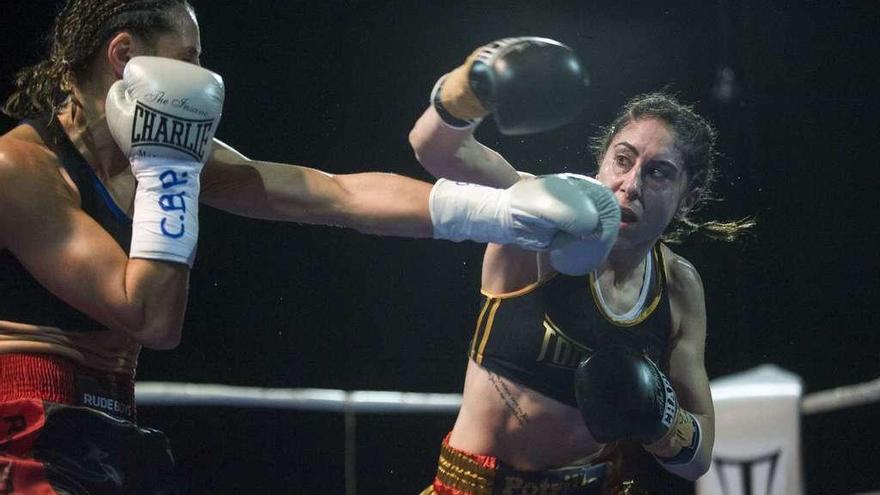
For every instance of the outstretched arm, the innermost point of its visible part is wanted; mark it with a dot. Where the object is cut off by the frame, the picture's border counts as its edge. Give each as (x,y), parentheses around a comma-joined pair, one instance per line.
(375,203)
(529,213)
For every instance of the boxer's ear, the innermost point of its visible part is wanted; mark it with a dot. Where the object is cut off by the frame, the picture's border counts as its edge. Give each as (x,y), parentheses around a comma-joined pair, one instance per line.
(119,51)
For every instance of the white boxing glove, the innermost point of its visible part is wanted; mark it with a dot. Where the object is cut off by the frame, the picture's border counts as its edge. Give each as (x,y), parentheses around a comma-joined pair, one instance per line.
(535,214)
(163,114)
(573,255)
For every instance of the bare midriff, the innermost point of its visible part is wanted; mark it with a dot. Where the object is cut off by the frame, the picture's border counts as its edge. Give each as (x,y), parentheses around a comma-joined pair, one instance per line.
(109,351)
(519,426)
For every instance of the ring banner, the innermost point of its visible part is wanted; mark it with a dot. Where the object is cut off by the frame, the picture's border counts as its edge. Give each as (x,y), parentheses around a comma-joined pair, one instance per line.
(757,434)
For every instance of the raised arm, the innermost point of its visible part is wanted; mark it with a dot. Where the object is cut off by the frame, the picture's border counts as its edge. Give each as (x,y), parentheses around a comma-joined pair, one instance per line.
(42,224)
(455,154)
(526,85)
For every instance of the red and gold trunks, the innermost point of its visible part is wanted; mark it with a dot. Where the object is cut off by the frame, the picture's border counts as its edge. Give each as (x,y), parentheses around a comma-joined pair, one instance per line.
(463,473)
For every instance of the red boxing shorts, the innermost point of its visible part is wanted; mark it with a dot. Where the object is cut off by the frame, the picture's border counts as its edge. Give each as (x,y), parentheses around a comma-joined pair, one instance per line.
(62,447)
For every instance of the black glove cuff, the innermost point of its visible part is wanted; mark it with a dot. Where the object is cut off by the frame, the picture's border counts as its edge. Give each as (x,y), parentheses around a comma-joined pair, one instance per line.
(449,119)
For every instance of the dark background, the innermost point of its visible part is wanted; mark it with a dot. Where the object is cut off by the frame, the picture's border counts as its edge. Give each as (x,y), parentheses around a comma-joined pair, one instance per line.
(337,85)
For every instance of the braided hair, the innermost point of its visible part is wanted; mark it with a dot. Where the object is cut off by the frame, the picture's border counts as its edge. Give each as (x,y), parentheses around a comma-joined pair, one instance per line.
(79,31)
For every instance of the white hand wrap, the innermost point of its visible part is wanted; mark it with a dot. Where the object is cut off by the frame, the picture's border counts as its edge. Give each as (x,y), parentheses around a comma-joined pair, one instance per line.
(461,211)
(532,214)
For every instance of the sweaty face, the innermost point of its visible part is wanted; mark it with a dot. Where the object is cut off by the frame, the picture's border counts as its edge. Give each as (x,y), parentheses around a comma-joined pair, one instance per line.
(647,176)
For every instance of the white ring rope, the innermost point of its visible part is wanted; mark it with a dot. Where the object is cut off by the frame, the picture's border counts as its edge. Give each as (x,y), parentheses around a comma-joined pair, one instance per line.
(307,399)
(365,401)
(842,397)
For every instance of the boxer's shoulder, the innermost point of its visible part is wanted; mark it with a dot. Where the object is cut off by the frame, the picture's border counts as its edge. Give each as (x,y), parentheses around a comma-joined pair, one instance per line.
(508,269)
(686,293)
(23,154)
(681,275)
(29,173)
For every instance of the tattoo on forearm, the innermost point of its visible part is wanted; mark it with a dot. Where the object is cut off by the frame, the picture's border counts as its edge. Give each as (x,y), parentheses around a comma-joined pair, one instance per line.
(507,396)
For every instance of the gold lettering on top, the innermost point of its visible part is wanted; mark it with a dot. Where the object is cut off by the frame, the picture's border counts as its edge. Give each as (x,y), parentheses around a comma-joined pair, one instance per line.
(559,349)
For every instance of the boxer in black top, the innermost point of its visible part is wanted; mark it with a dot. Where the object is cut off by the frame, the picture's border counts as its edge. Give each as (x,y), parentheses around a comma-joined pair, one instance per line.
(537,336)
(555,326)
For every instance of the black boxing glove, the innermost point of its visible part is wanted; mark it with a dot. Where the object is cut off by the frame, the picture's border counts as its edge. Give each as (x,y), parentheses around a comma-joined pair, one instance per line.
(529,84)
(623,395)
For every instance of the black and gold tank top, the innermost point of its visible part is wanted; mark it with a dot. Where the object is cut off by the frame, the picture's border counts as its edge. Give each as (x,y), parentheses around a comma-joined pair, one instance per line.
(538,335)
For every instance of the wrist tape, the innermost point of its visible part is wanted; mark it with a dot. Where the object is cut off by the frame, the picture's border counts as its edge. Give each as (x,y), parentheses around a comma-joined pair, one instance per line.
(681,443)
(166,210)
(447,118)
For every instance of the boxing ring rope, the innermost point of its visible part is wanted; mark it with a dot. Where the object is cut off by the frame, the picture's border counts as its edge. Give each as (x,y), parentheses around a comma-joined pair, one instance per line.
(305,399)
(841,397)
(351,403)
(365,401)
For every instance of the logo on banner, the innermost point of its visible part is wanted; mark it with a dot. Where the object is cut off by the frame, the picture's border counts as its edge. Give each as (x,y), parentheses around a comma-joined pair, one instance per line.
(752,473)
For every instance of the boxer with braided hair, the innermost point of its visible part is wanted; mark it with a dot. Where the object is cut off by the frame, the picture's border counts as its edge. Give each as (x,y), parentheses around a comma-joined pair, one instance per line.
(99,192)
(80,28)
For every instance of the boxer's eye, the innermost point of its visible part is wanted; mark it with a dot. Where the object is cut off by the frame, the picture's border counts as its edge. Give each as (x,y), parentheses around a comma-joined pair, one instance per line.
(657,173)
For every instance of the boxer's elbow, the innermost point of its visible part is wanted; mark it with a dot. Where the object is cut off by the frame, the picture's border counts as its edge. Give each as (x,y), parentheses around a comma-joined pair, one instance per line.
(159,332)
(694,469)
(437,157)
(420,144)
(160,338)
